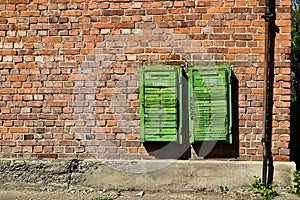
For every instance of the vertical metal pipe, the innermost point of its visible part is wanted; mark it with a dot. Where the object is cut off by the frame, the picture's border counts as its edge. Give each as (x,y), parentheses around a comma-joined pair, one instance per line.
(265,100)
(270,32)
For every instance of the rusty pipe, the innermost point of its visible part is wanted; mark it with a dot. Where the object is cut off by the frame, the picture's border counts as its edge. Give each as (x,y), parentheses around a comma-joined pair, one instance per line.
(269,16)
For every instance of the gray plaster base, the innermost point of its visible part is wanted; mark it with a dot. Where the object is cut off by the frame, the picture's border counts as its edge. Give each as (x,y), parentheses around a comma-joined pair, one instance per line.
(152,175)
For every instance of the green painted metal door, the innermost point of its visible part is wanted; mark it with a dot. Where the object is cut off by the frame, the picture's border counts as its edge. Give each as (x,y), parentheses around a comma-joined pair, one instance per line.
(210,103)
(160,103)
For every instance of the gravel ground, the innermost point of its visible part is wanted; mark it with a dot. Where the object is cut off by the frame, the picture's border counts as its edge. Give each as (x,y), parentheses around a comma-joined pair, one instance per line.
(29,194)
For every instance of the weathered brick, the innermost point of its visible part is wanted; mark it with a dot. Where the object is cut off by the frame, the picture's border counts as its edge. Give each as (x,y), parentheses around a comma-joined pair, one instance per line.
(219,36)
(124,25)
(11,39)
(133,50)
(156,11)
(8,91)
(69,51)
(27,91)
(113,12)
(32,39)
(55,39)
(17,78)
(217,50)
(8,52)
(57,49)
(38,149)
(19,130)
(241,10)
(203,3)
(242,37)
(71,13)
(49,155)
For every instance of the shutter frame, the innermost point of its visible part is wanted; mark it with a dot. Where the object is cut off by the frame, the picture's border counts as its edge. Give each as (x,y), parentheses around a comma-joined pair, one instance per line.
(210,103)
(160,104)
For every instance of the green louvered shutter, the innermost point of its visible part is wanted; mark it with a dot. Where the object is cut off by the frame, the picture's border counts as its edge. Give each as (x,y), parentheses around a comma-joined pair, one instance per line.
(210,103)
(160,104)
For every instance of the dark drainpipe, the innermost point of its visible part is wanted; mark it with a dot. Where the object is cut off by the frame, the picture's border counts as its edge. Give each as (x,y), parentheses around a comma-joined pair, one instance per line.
(270,33)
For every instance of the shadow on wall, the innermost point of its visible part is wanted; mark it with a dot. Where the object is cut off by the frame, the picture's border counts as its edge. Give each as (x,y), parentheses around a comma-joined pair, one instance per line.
(173,150)
(295,133)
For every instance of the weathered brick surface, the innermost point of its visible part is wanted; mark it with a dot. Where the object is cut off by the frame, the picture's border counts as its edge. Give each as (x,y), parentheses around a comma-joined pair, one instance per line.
(69,71)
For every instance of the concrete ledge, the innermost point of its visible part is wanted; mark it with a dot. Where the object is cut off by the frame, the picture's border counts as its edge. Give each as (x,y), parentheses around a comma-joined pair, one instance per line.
(148,175)
(186,175)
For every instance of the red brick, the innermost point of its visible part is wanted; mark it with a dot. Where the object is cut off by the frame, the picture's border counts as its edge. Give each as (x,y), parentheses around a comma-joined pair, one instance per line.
(32,39)
(203,3)
(48,52)
(242,37)
(133,150)
(219,36)
(113,12)
(55,39)
(133,50)
(178,11)
(282,158)
(239,50)
(48,155)
(156,11)
(78,77)
(103,25)
(241,10)
(130,143)
(57,104)
(19,1)
(38,149)
(217,50)
(17,78)
(68,143)
(7,52)
(198,36)
(124,25)
(71,13)
(7,143)
(11,39)
(7,136)
(69,51)
(285,138)
(26,65)
(4,27)
(8,91)
(27,91)
(93,38)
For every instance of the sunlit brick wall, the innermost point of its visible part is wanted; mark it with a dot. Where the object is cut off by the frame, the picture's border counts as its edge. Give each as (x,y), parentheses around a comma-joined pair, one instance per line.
(69,71)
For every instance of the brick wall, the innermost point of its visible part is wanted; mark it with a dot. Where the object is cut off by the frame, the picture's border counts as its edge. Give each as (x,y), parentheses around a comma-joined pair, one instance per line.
(69,84)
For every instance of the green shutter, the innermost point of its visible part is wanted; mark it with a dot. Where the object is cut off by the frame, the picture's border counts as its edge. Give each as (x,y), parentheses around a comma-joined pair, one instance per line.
(210,103)
(160,103)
